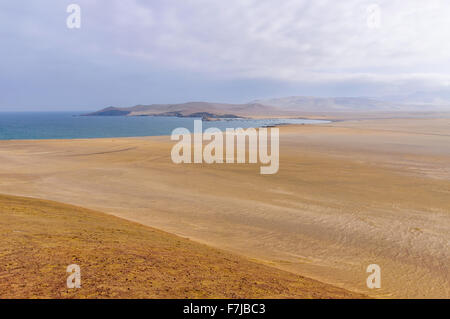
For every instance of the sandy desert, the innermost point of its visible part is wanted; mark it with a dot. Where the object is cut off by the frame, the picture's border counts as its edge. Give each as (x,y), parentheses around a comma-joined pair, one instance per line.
(351,193)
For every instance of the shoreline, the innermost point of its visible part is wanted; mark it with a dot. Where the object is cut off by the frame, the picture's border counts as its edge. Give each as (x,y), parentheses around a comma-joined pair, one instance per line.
(221,120)
(346,194)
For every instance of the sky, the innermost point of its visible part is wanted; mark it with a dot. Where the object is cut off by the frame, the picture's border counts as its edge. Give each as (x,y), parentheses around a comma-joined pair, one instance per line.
(166,51)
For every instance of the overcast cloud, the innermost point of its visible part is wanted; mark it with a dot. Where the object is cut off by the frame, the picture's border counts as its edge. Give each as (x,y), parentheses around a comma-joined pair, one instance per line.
(131,52)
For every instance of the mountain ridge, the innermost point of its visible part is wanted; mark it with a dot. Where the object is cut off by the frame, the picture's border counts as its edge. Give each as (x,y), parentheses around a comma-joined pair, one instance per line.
(206,110)
(282,106)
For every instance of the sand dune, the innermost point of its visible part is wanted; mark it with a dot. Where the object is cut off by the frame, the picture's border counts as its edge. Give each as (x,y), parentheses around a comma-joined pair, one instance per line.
(348,194)
(121,259)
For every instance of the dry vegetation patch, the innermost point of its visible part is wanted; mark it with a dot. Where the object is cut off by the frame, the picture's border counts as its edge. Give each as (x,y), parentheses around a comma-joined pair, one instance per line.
(122,259)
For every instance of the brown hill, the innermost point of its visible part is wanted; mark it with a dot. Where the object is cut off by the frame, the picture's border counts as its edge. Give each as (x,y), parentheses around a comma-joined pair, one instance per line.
(122,259)
(214,110)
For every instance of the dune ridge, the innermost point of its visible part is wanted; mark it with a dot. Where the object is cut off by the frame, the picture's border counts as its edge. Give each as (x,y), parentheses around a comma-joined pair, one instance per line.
(122,259)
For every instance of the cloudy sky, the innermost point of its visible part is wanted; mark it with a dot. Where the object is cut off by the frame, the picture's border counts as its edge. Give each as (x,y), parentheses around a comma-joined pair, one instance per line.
(169,51)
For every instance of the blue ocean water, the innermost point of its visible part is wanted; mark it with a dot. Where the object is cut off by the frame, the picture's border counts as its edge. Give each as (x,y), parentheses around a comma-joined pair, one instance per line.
(70,125)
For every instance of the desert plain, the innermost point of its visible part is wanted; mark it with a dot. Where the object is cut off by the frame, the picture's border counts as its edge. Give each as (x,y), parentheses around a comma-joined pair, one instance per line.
(358,191)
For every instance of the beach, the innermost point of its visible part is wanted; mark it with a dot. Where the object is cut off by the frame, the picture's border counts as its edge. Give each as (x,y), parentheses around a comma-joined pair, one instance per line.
(348,194)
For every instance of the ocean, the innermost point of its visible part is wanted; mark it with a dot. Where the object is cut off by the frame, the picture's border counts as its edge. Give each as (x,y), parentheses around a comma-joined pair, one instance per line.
(70,125)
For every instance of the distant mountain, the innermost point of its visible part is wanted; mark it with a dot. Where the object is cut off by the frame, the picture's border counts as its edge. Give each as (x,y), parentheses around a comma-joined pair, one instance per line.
(205,110)
(331,104)
(362,104)
(292,105)
(434,98)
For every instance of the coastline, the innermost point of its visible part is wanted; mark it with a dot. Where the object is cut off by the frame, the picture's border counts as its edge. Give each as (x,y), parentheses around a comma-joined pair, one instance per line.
(97,127)
(342,198)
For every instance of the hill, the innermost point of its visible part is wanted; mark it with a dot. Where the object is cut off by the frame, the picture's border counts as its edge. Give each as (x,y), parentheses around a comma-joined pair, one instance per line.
(353,104)
(284,106)
(122,259)
(205,110)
